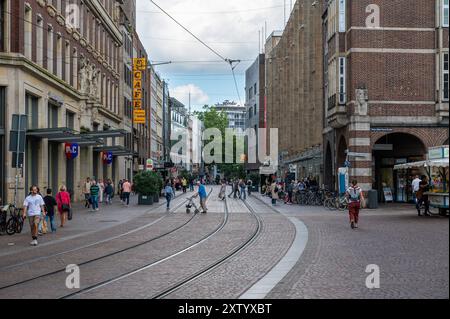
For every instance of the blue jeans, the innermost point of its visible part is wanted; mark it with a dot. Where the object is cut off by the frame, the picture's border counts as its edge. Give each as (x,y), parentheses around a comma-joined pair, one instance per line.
(51,220)
(243,193)
(94,200)
(168,198)
(126,198)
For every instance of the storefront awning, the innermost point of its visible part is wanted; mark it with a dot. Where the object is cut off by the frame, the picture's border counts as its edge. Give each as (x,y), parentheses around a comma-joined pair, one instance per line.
(106,134)
(116,150)
(65,135)
(52,133)
(431,163)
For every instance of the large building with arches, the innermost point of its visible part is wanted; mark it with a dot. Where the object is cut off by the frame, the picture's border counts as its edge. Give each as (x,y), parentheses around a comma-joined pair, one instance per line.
(386,86)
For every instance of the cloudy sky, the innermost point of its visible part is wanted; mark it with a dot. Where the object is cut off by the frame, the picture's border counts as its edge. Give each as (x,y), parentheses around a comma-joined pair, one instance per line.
(229,27)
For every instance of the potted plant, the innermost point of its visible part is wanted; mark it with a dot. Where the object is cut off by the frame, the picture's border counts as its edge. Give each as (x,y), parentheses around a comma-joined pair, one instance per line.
(157,195)
(146,184)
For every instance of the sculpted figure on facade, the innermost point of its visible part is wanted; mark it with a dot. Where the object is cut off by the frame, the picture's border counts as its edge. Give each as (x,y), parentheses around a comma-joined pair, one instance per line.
(362,102)
(84,75)
(95,82)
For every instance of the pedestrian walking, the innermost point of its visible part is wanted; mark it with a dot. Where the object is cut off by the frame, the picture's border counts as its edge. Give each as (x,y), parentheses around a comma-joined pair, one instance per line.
(120,189)
(168,190)
(101,185)
(422,198)
(87,192)
(355,199)
(109,193)
(242,187)
(64,204)
(34,208)
(222,191)
(415,185)
(50,204)
(95,191)
(203,195)
(126,187)
(184,184)
(249,187)
(274,189)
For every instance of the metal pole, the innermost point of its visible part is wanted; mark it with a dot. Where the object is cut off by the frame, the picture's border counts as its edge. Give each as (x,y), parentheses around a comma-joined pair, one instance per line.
(17,160)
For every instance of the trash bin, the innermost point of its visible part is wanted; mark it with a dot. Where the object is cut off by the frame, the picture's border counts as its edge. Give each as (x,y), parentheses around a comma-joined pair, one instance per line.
(373,199)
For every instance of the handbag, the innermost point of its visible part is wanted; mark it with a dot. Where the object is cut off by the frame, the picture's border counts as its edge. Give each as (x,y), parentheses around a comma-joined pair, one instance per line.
(69,214)
(44,228)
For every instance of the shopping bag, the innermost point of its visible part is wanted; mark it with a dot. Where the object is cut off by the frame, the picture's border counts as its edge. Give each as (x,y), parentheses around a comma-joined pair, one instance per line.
(69,214)
(44,226)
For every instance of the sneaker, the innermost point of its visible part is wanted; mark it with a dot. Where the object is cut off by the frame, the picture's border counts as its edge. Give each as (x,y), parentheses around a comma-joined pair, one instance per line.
(352,225)
(34,242)
(356,225)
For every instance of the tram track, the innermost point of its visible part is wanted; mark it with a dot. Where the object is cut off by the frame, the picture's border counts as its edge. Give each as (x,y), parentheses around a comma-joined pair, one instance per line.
(172,211)
(211,267)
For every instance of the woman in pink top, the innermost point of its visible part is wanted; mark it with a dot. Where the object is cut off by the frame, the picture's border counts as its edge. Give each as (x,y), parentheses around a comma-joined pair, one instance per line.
(126,187)
(64,205)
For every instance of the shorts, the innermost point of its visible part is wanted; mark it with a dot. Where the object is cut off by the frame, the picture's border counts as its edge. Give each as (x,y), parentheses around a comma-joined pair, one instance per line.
(34,220)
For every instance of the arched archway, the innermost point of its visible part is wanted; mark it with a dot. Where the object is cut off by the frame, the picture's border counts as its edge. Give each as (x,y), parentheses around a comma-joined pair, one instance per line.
(392,149)
(329,174)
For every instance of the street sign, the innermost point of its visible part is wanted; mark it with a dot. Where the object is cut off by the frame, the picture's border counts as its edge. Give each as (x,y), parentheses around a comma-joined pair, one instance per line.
(139,64)
(149,164)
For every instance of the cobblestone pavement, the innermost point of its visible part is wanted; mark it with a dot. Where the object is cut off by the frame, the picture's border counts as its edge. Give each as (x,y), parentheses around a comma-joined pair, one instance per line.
(84,229)
(234,277)
(412,253)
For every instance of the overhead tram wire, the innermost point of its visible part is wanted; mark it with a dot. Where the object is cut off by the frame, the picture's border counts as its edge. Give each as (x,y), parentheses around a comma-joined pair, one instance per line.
(226,60)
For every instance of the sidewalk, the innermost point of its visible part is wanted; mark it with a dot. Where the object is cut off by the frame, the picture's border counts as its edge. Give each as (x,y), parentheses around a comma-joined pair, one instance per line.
(84,222)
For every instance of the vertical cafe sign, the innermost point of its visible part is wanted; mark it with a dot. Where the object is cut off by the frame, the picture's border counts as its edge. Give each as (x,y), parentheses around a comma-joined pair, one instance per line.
(139,65)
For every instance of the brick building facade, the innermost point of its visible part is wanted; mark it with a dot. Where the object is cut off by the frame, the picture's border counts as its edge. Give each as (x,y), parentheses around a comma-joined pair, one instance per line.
(385,86)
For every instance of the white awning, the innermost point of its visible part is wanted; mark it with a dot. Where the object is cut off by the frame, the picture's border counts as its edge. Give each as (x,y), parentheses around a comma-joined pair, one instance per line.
(431,163)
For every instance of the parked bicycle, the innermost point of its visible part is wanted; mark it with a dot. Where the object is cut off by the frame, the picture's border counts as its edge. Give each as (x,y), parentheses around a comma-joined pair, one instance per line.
(336,202)
(14,225)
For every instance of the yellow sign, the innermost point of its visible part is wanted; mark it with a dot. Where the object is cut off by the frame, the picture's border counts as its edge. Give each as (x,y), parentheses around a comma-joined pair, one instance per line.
(137,84)
(137,75)
(137,94)
(137,104)
(139,116)
(139,64)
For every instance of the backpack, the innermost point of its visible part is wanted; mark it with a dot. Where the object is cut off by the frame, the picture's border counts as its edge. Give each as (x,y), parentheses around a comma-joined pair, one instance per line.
(355,194)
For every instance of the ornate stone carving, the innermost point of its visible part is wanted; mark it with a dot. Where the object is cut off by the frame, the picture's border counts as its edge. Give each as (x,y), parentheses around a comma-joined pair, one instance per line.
(95,83)
(41,3)
(83,42)
(60,19)
(76,35)
(51,10)
(84,75)
(362,102)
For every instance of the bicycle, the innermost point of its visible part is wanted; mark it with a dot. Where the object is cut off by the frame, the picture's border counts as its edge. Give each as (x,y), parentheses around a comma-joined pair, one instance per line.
(14,225)
(3,218)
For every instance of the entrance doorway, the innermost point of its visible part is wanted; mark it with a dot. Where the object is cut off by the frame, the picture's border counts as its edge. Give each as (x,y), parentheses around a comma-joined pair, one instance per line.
(388,151)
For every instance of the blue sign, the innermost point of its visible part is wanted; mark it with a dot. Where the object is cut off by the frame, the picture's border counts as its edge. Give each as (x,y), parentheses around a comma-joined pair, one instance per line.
(71,150)
(107,157)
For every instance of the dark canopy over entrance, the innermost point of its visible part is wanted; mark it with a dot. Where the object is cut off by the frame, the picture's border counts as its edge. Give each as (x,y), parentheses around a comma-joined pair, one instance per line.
(390,150)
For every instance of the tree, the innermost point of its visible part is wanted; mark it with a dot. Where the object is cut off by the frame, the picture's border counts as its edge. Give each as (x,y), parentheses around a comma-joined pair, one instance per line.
(213,118)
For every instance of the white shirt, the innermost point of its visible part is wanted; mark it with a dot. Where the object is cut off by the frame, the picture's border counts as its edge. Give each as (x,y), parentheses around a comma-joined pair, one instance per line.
(416,184)
(34,204)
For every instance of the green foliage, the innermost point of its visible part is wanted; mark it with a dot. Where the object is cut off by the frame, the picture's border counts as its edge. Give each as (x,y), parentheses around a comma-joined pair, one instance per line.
(148,183)
(232,171)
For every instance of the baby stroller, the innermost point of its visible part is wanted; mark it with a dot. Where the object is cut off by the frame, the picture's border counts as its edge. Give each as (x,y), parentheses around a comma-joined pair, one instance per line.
(191,204)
